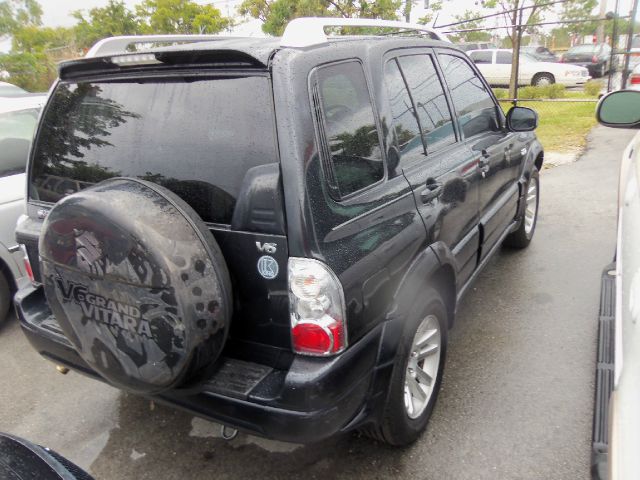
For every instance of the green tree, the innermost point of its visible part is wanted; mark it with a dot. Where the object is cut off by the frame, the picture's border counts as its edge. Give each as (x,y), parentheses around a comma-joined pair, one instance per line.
(468,17)
(519,20)
(275,14)
(102,22)
(34,39)
(15,14)
(179,16)
(32,71)
(579,10)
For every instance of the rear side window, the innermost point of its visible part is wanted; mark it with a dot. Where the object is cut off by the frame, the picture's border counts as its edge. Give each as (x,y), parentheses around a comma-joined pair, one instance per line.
(355,157)
(197,137)
(431,103)
(405,121)
(16,132)
(503,58)
(481,57)
(476,110)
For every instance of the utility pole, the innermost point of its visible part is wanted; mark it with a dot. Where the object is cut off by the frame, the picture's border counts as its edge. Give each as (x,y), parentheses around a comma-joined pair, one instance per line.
(603,13)
(632,23)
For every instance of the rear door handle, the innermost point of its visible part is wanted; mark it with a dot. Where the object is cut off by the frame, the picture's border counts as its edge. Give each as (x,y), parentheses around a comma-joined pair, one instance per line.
(432,191)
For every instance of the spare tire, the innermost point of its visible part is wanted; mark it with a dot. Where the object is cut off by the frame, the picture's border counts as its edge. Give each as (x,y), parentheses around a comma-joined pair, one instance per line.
(137,283)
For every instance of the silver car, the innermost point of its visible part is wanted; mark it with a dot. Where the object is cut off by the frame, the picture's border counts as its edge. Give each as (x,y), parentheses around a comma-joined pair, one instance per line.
(18,119)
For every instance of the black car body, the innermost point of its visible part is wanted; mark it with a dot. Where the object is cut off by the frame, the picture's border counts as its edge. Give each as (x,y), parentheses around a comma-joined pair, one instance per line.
(595,57)
(542,54)
(392,213)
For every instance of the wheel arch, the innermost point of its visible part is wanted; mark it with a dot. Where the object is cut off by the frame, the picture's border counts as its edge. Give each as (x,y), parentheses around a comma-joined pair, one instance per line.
(432,268)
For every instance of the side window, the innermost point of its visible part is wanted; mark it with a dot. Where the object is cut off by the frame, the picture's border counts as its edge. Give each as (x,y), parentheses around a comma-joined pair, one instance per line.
(349,127)
(431,103)
(482,57)
(476,110)
(503,58)
(405,121)
(16,132)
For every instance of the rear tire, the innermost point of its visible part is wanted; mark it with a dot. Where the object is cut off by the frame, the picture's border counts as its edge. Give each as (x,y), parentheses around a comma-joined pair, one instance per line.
(5,297)
(402,424)
(521,238)
(542,79)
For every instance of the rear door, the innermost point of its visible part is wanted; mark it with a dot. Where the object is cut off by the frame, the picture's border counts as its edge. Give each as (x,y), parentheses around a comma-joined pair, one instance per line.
(436,163)
(492,147)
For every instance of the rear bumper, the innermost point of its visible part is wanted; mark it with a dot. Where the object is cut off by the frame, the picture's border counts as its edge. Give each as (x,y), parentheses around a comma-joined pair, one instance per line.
(312,400)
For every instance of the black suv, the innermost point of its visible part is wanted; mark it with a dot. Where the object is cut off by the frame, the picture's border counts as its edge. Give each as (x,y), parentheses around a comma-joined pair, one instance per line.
(274,237)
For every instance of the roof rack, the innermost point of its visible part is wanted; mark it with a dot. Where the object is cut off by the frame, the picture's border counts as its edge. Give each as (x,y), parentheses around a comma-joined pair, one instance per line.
(115,45)
(308,31)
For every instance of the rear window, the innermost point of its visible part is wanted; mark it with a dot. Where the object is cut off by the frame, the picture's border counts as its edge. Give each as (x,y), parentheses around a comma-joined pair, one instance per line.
(587,48)
(197,137)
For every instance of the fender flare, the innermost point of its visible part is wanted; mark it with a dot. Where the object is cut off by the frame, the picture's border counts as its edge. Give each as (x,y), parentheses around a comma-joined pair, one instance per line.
(434,267)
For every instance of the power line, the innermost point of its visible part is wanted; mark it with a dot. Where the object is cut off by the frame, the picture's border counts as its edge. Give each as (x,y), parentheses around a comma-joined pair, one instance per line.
(502,13)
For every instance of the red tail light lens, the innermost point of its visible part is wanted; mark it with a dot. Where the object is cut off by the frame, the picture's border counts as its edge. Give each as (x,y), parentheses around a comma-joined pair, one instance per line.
(27,264)
(316,303)
(635,79)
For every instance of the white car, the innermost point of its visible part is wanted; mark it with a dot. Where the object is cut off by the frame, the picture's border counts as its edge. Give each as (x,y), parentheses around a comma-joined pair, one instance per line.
(495,65)
(18,119)
(616,426)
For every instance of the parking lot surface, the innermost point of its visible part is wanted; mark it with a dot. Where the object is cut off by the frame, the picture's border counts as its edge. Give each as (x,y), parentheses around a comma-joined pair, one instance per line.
(516,400)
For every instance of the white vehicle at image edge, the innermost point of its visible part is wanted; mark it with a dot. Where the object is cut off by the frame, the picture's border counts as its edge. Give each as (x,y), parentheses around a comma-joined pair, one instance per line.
(495,66)
(18,119)
(616,439)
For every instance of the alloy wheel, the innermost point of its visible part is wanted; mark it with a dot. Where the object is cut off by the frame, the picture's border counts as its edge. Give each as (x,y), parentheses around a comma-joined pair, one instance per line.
(422,367)
(531,210)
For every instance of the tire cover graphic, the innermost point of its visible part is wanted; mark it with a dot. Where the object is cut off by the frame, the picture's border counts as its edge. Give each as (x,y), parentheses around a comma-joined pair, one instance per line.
(137,283)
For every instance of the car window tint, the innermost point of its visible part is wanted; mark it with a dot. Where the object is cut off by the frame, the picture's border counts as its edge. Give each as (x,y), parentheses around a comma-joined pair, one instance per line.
(503,58)
(482,57)
(431,103)
(349,123)
(405,122)
(196,136)
(16,132)
(474,104)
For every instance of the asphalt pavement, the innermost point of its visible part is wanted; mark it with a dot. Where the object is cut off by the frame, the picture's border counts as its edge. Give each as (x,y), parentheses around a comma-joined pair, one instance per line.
(516,400)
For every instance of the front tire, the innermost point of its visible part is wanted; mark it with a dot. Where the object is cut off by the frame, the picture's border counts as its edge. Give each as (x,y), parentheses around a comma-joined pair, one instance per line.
(543,79)
(417,374)
(521,238)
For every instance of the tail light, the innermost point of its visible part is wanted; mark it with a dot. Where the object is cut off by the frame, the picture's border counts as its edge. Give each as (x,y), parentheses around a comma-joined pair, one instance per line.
(594,59)
(317,309)
(561,59)
(27,264)
(635,79)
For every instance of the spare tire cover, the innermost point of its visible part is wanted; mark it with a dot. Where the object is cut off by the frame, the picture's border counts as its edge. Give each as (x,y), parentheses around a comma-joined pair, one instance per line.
(137,283)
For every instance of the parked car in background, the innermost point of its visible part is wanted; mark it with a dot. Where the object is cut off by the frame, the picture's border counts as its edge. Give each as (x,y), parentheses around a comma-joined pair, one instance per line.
(616,424)
(634,53)
(596,57)
(18,119)
(465,47)
(495,65)
(10,90)
(542,54)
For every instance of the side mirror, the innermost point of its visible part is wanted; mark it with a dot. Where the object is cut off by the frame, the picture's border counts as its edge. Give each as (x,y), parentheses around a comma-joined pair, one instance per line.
(522,119)
(619,109)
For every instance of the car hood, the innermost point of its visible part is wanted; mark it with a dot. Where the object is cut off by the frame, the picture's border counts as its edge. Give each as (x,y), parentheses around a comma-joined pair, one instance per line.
(12,188)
